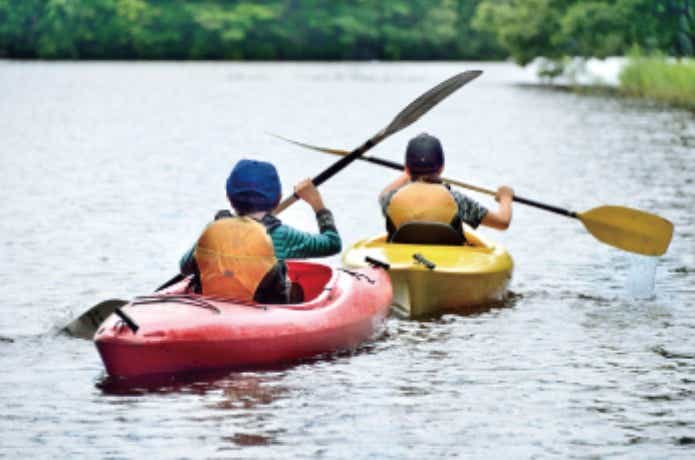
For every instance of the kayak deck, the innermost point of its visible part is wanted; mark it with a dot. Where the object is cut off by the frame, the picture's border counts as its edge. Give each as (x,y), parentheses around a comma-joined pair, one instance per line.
(464,276)
(181,331)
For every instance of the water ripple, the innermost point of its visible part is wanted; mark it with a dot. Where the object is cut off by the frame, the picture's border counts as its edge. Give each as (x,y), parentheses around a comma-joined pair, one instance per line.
(125,163)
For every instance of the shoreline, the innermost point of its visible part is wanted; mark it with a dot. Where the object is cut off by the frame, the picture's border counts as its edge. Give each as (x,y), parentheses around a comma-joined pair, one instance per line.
(662,80)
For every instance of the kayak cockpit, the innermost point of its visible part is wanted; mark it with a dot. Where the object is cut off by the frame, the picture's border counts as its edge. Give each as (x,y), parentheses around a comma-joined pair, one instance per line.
(472,238)
(311,278)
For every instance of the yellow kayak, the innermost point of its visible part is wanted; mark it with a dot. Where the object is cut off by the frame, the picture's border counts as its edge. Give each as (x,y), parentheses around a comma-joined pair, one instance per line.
(430,279)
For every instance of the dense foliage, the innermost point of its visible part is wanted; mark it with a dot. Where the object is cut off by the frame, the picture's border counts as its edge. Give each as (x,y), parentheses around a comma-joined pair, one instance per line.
(555,28)
(343,29)
(243,29)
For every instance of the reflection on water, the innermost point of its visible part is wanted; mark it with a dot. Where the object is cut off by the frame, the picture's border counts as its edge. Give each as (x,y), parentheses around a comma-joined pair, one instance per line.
(198,383)
(233,392)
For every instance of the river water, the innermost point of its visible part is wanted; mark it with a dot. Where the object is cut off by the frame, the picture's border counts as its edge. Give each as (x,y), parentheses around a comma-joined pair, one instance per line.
(110,170)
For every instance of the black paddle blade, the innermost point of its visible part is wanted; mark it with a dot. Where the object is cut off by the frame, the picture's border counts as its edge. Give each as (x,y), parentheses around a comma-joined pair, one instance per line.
(171,282)
(424,103)
(87,324)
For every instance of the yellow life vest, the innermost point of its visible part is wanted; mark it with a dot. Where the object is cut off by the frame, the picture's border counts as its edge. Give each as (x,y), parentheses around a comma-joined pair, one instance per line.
(233,257)
(422,202)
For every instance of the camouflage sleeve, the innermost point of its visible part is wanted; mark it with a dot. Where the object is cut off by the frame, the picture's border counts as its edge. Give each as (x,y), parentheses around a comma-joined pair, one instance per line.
(470,211)
(325,220)
(385,199)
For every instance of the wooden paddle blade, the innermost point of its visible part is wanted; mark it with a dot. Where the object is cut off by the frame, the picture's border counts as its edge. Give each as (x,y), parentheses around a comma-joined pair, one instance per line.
(424,103)
(629,229)
(87,324)
(339,152)
(382,162)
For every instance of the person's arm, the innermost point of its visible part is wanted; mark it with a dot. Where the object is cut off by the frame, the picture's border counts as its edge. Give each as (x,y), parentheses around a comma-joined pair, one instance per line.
(307,191)
(291,243)
(295,244)
(501,218)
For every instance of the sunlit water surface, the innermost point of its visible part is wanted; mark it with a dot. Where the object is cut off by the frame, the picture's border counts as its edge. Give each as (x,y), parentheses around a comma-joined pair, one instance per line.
(110,170)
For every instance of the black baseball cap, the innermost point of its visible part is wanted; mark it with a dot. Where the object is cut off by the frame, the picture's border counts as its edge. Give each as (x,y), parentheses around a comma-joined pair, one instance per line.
(424,154)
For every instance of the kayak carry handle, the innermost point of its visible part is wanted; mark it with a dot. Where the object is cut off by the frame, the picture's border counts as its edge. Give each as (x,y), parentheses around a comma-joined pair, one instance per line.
(127,320)
(377,263)
(419,258)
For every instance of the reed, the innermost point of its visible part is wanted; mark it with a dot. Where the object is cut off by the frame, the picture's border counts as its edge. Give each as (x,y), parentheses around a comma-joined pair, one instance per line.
(660,78)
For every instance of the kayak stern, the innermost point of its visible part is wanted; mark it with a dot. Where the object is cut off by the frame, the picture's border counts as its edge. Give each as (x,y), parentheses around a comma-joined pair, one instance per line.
(458,278)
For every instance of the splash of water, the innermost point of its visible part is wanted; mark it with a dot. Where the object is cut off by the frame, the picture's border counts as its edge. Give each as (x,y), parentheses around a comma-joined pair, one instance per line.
(640,276)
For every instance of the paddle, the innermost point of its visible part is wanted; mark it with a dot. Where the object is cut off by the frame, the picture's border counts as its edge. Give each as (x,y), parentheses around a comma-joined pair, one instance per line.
(86,325)
(405,118)
(88,322)
(625,228)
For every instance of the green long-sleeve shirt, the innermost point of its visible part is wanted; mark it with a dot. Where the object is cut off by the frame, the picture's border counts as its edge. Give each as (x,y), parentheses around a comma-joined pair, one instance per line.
(290,243)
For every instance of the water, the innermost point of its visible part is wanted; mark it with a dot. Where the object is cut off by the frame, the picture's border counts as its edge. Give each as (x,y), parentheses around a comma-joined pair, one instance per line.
(110,170)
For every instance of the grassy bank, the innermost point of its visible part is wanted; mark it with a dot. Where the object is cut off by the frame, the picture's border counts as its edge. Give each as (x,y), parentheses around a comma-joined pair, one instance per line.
(660,79)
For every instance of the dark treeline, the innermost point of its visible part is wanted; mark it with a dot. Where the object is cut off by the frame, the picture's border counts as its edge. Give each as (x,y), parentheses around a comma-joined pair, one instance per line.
(557,28)
(229,29)
(342,29)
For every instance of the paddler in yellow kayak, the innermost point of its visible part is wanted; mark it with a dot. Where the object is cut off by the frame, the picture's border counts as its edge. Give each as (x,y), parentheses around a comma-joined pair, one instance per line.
(243,256)
(419,208)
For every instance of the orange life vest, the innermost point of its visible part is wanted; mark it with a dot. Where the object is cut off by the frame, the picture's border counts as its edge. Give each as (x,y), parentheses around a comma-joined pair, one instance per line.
(233,256)
(422,202)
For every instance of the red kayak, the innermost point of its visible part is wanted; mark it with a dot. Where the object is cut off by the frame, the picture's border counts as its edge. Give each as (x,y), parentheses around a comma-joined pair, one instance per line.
(176,330)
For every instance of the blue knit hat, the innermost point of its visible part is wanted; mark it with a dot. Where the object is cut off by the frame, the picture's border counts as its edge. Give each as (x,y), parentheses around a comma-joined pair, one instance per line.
(424,154)
(253,186)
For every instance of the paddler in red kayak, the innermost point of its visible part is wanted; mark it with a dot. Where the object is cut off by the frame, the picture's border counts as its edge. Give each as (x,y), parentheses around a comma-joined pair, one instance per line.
(243,256)
(419,208)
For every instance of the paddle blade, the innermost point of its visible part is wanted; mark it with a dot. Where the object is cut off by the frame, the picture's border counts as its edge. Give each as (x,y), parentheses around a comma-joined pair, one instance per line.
(405,117)
(87,324)
(629,229)
(339,152)
(424,103)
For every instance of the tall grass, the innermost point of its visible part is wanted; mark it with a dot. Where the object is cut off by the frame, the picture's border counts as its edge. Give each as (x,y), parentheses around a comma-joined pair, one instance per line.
(661,79)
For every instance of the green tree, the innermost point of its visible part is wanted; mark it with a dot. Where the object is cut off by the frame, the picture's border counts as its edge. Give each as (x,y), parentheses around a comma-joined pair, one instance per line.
(525,28)
(555,28)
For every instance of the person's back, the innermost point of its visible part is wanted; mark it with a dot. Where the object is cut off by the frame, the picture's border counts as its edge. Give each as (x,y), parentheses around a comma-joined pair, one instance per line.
(233,256)
(419,208)
(243,256)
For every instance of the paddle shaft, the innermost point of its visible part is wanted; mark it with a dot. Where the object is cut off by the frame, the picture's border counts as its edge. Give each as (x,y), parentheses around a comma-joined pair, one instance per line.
(411,113)
(526,201)
(625,228)
(333,170)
